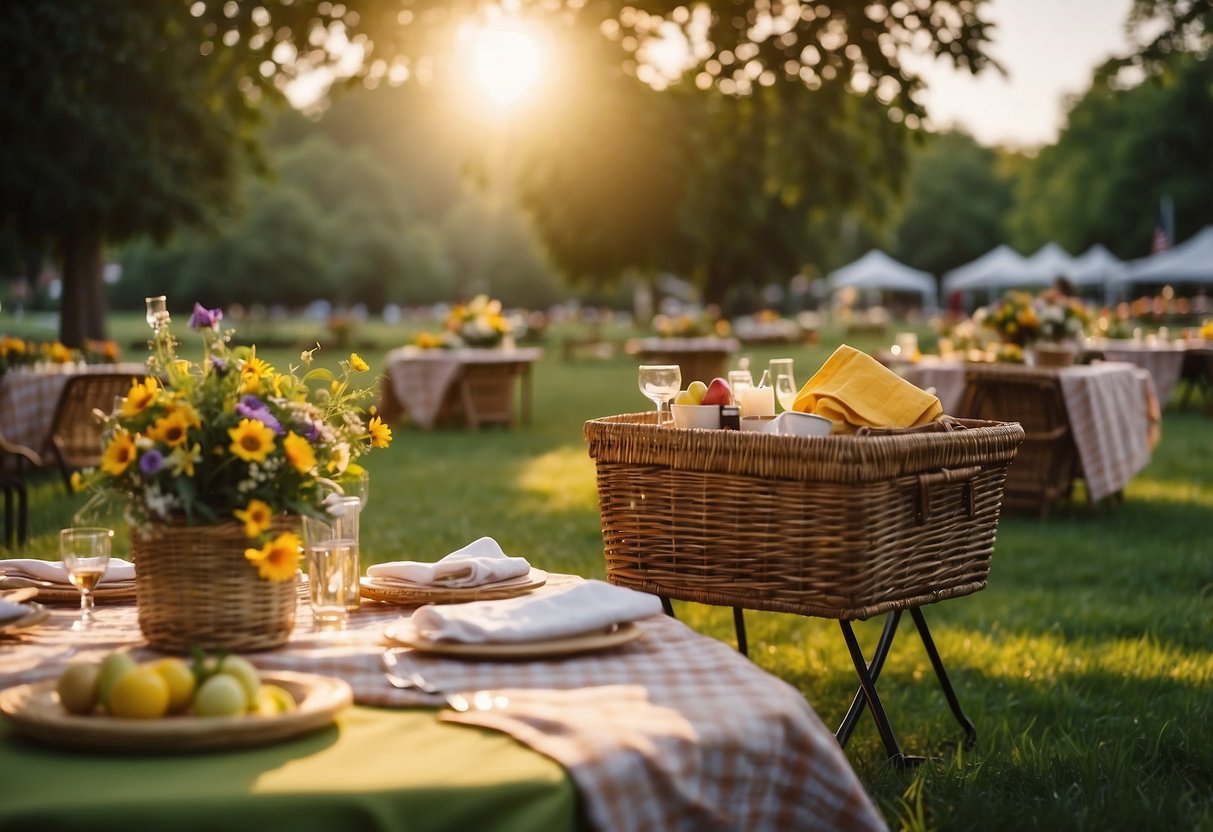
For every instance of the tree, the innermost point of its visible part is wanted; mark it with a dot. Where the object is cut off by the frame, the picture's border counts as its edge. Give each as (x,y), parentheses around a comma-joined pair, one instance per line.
(1122,149)
(132,118)
(956,203)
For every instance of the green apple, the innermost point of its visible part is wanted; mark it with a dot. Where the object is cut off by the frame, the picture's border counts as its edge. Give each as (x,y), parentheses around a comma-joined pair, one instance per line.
(77,687)
(696,390)
(113,667)
(243,672)
(221,695)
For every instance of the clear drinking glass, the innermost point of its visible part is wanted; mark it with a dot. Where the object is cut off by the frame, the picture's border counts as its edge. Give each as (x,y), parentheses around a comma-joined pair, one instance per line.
(157,312)
(333,567)
(785,391)
(85,552)
(660,383)
(782,367)
(739,380)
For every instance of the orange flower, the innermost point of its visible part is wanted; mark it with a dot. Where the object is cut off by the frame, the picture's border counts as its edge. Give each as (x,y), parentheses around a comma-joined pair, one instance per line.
(118,454)
(257,517)
(299,452)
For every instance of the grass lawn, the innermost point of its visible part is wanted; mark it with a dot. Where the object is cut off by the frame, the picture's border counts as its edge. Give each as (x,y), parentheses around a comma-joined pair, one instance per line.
(1087,665)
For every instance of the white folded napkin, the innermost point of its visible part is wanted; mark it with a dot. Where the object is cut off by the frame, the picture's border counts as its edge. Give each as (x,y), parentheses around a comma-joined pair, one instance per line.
(480,562)
(584,607)
(10,611)
(53,571)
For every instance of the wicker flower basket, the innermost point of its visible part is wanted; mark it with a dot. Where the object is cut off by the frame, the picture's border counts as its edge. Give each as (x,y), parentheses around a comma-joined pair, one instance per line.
(843,527)
(196,589)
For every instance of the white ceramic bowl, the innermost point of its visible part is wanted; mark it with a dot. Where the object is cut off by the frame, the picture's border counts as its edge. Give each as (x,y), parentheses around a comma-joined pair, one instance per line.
(795,423)
(697,416)
(757,423)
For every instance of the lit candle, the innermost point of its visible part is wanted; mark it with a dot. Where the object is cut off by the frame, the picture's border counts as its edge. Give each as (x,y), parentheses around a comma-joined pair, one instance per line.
(757,401)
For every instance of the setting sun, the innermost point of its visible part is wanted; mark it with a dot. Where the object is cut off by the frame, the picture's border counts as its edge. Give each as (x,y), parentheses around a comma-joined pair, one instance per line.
(505,61)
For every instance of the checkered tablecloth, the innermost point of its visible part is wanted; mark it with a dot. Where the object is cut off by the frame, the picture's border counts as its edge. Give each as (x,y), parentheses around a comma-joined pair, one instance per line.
(1112,408)
(672,731)
(420,379)
(1163,363)
(28,399)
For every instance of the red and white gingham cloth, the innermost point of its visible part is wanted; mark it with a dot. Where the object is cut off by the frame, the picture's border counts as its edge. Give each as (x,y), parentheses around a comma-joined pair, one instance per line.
(1163,362)
(672,731)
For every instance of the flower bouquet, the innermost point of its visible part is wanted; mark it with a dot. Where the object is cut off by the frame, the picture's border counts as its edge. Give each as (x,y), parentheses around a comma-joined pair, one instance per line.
(235,446)
(1062,318)
(1014,318)
(478,323)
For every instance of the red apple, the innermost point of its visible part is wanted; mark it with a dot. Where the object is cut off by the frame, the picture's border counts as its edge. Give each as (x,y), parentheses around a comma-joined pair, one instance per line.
(718,392)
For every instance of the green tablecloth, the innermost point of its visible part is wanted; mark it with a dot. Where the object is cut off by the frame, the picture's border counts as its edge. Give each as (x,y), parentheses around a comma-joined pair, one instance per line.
(376,770)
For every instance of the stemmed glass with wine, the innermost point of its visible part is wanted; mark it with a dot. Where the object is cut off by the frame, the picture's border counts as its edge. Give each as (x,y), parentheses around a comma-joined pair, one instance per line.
(785,382)
(85,551)
(660,383)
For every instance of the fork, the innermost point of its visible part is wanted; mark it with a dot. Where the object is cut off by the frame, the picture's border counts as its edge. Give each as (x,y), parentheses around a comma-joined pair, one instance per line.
(392,659)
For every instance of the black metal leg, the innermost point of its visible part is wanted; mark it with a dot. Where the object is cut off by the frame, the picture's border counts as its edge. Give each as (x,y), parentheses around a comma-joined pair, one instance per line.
(874,703)
(941,673)
(847,726)
(667,606)
(739,629)
(8,515)
(22,514)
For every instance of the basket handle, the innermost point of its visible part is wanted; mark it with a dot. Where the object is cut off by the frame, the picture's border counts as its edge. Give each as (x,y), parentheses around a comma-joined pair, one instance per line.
(945,476)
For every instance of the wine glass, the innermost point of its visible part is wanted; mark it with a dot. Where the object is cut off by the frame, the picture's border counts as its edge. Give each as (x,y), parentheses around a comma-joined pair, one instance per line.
(785,391)
(660,383)
(782,367)
(85,551)
(360,487)
(157,312)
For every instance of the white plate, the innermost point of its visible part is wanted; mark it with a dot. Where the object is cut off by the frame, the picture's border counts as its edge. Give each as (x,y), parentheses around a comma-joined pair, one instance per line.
(34,710)
(404,633)
(36,615)
(400,592)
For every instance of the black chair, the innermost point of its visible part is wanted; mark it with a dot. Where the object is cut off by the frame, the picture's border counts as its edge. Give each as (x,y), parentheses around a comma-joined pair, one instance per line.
(14,459)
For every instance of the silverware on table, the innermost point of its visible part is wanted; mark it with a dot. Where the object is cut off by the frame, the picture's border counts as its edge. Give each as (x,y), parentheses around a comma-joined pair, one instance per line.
(401,674)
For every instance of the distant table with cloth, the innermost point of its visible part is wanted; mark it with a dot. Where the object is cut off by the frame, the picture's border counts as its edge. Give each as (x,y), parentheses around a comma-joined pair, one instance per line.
(476,386)
(672,730)
(1163,360)
(701,359)
(28,399)
(1106,412)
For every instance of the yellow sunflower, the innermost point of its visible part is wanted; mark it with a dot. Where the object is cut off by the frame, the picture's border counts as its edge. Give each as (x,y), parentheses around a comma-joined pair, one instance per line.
(381,434)
(252,440)
(357,364)
(172,429)
(118,454)
(257,517)
(299,452)
(278,559)
(252,372)
(142,394)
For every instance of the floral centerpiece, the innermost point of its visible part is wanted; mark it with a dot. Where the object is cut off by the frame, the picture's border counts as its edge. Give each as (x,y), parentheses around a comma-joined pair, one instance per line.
(233,445)
(17,352)
(705,324)
(1062,318)
(1014,318)
(478,323)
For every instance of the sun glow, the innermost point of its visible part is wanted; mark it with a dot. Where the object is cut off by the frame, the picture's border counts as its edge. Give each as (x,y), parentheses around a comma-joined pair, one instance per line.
(506,61)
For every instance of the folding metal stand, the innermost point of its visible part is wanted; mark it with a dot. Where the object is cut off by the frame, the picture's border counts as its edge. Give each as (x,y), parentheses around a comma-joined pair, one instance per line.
(869,672)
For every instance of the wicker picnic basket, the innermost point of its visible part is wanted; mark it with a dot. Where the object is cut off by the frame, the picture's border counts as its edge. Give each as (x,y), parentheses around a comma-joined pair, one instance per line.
(843,527)
(195,588)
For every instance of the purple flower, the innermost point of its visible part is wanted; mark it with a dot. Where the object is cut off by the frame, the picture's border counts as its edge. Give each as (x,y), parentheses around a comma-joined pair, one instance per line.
(151,462)
(219,365)
(204,318)
(252,407)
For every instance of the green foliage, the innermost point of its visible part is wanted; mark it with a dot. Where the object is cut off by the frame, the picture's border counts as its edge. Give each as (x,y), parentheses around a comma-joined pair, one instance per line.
(955,204)
(1120,152)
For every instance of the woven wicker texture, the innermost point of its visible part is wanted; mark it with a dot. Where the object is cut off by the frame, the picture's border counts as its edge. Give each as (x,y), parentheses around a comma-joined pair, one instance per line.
(196,589)
(75,429)
(839,526)
(1045,466)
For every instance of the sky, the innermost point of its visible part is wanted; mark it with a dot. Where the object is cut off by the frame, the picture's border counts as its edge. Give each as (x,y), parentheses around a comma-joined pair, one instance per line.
(1048,48)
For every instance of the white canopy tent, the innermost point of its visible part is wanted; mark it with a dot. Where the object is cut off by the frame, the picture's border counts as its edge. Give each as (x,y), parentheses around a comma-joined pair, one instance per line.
(985,272)
(1189,262)
(1042,268)
(877,270)
(1097,267)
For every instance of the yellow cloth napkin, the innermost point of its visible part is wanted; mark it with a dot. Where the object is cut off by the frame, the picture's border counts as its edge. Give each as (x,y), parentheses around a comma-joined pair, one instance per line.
(853,390)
